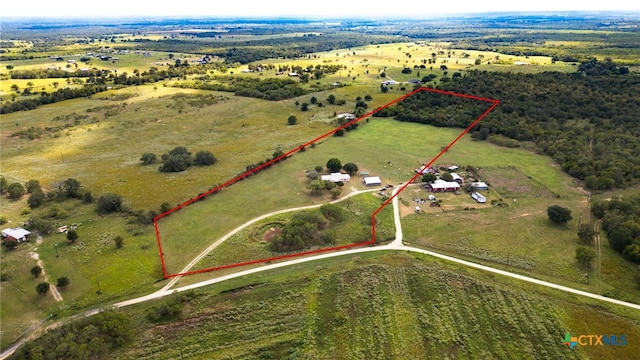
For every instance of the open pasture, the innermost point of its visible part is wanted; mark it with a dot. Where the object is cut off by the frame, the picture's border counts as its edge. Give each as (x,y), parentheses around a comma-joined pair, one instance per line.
(190,230)
(379,305)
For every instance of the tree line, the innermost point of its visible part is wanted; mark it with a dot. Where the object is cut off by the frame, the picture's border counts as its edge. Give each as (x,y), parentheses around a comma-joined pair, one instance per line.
(621,223)
(87,338)
(268,89)
(46,98)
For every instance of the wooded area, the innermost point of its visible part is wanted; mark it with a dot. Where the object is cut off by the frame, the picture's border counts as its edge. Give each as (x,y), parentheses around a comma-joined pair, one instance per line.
(586,121)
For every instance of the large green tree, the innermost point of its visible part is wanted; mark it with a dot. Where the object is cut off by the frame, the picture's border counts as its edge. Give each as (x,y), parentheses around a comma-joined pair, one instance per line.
(72,188)
(16,191)
(36,198)
(350,168)
(334,165)
(109,203)
(559,214)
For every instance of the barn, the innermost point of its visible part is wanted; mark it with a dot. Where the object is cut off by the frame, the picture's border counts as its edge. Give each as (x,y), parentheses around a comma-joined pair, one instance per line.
(443,186)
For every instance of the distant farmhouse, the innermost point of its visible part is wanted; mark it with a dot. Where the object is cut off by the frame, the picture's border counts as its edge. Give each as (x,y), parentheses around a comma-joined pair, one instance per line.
(443,186)
(16,234)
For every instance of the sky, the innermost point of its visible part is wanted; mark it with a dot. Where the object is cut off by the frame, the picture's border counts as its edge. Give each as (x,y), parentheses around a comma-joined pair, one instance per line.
(292,8)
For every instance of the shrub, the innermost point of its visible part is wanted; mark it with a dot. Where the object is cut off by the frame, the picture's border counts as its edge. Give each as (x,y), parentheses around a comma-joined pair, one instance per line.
(72,235)
(204,158)
(16,191)
(109,203)
(63,282)
(148,158)
(42,288)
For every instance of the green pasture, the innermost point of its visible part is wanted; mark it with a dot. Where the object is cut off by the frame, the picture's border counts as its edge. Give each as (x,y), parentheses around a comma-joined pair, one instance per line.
(374,147)
(382,305)
(92,263)
(249,244)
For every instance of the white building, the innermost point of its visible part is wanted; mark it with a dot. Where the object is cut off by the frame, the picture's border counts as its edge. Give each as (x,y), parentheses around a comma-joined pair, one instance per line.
(478,197)
(18,234)
(372,181)
(336,177)
(479,185)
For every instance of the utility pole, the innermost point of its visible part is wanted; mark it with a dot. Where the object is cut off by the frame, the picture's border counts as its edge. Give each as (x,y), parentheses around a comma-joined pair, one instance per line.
(56,246)
(99,290)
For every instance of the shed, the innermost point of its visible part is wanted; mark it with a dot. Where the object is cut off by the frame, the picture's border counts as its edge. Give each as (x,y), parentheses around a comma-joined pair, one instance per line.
(479,185)
(372,181)
(457,178)
(478,197)
(18,234)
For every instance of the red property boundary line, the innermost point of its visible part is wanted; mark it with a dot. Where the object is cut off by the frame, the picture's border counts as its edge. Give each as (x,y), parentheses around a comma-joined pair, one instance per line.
(284,156)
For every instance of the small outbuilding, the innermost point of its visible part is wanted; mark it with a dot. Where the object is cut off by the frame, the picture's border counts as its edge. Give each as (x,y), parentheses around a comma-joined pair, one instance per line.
(478,197)
(457,178)
(16,234)
(479,185)
(372,181)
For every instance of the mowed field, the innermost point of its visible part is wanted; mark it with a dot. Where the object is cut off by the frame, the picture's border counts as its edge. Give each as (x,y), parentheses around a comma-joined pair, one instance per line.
(380,306)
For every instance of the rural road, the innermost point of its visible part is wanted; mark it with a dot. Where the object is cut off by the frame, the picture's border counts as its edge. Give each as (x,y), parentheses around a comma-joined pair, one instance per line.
(395,245)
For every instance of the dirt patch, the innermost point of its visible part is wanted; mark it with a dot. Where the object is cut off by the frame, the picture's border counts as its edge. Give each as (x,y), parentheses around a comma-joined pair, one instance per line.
(510,182)
(271,233)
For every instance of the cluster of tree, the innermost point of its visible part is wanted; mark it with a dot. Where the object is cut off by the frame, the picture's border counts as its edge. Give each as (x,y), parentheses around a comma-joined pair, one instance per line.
(57,73)
(49,98)
(621,223)
(92,337)
(268,89)
(245,52)
(267,163)
(14,190)
(587,123)
(169,309)
(308,228)
(179,159)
